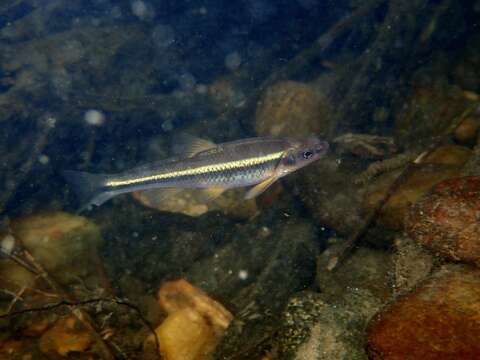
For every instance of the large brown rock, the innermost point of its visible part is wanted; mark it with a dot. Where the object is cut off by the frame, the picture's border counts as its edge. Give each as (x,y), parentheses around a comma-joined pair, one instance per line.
(440,320)
(446,220)
(292,109)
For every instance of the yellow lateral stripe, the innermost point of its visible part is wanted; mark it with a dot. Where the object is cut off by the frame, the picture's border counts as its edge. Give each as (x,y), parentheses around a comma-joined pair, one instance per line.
(198,171)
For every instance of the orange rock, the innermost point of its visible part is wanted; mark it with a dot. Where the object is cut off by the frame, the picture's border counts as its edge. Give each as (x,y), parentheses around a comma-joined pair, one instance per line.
(467,130)
(36,327)
(195,323)
(446,220)
(439,321)
(176,295)
(67,335)
(186,335)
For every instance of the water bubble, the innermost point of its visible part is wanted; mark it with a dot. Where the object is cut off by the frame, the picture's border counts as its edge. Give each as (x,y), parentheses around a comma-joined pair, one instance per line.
(243,274)
(233,61)
(163,36)
(7,244)
(116,12)
(167,125)
(94,117)
(142,10)
(43,159)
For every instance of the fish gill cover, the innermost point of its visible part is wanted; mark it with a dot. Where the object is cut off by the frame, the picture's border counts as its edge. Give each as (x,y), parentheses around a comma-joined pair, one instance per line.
(222,257)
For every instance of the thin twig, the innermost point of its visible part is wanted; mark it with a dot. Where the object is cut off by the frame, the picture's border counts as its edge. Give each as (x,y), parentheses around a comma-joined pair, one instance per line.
(69,303)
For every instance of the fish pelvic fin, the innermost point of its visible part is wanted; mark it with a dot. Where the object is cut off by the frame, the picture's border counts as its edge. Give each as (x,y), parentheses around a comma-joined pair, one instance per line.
(260,188)
(89,188)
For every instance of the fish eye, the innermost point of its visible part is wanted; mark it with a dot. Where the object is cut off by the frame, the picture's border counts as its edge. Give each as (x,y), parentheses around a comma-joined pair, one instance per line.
(307,154)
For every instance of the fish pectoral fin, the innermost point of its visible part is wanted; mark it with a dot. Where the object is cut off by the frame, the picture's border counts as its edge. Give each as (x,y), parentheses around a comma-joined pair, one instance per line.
(188,145)
(260,188)
(209,194)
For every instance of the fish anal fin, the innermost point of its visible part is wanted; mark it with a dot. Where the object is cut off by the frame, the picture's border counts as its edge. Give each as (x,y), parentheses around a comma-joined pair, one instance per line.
(188,145)
(155,197)
(260,188)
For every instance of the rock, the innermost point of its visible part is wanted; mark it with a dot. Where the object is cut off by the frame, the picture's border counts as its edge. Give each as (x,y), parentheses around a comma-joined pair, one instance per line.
(446,219)
(427,113)
(66,245)
(412,264)
(422,179)
(365,268)
(194,325)
(174,296)
(292,109)
(466,132)
(67,335)
(437,321)
(254,275)
(454,155)
(13,276)
(312,328)
(193,203)
(328,190)
(185,335)
(224,93)
(12,349)
(365,146)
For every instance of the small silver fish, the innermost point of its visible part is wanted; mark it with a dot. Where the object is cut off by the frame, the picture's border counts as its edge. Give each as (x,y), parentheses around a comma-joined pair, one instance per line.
(205,165)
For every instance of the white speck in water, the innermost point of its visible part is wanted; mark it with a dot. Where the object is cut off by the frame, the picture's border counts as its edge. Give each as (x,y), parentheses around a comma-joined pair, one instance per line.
(43,159)
(233,61)
(135,234)
(243,274)
(7,244)
(94,117)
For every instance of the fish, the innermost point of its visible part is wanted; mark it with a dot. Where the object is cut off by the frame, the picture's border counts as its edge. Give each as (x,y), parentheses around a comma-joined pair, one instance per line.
(206,166)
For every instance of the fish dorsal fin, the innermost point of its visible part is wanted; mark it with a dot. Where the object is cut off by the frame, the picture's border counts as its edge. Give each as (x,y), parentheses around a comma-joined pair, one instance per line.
(260,188)
(186,145)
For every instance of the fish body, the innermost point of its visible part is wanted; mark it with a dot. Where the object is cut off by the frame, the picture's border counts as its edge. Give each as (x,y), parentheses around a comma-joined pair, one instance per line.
(205,165)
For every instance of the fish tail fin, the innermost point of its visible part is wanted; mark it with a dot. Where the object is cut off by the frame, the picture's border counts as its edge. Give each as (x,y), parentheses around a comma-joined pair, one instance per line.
(89,188)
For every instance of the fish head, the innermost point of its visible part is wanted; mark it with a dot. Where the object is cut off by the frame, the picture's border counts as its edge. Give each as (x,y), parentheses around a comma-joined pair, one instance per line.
(301,153)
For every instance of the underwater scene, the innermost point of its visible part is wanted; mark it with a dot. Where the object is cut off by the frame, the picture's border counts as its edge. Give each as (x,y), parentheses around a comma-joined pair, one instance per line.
(250,179)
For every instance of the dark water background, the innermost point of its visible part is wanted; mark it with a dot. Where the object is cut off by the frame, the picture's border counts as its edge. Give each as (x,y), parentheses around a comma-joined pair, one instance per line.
(101,86)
